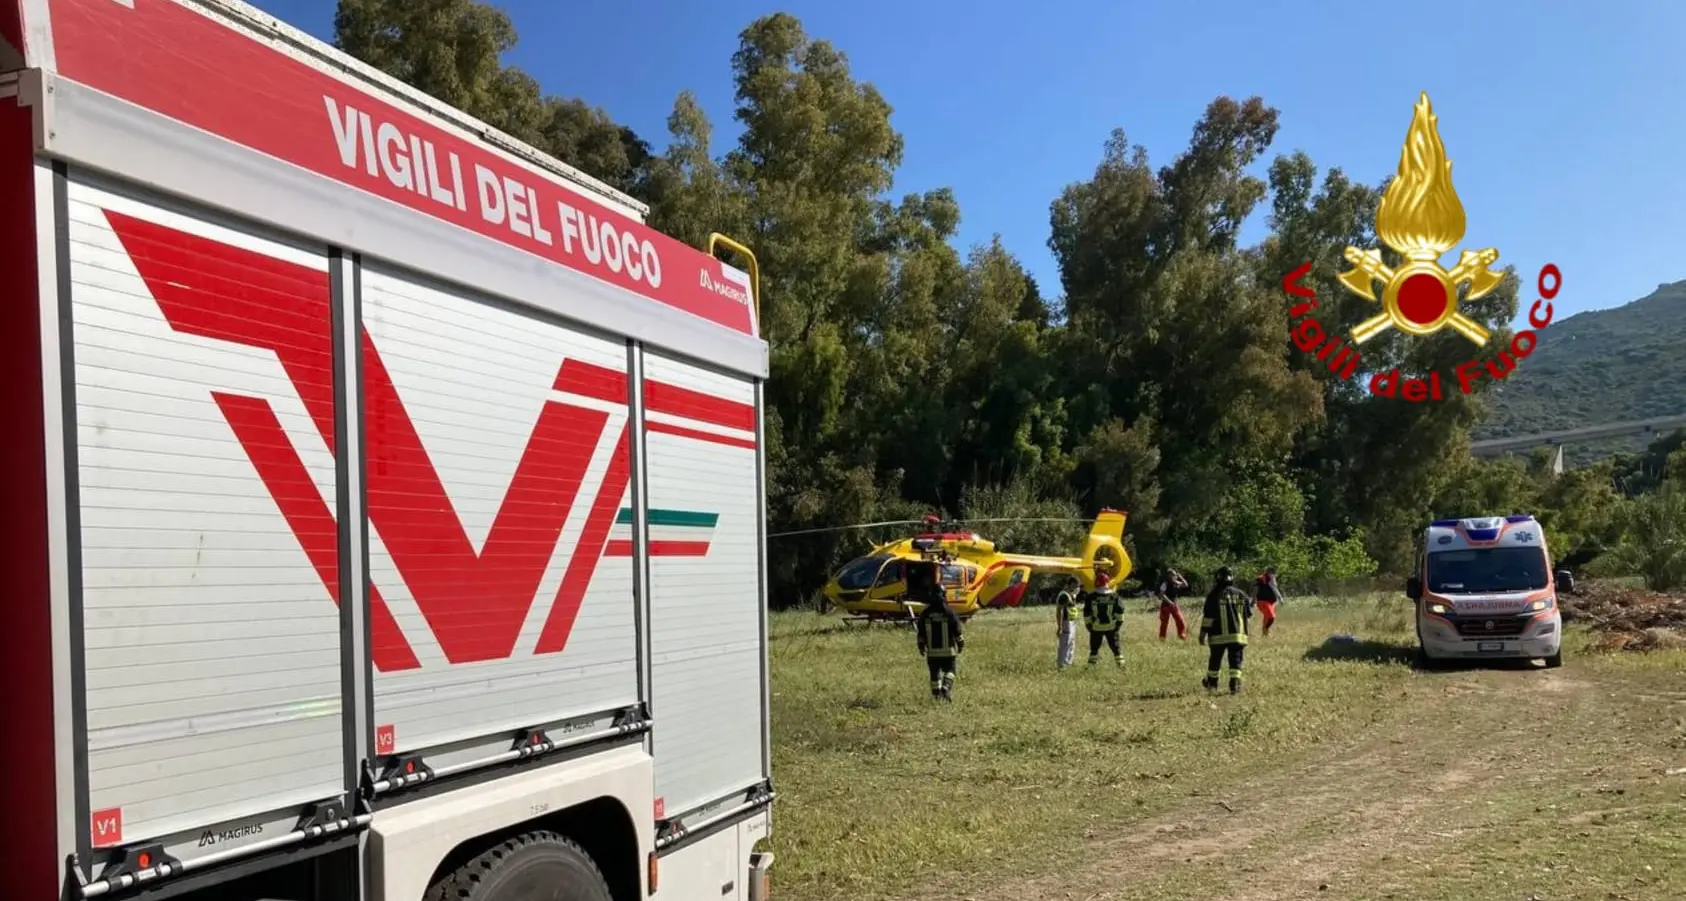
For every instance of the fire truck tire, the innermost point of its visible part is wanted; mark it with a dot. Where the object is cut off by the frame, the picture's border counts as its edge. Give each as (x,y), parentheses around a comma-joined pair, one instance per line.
(538,866)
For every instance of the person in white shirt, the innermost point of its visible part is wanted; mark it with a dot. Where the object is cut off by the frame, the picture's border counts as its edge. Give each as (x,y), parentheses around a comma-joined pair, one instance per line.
(1068,612)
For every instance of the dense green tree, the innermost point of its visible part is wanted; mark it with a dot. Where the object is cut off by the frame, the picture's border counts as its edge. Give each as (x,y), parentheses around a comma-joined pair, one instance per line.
(688,190)
(1582,512)
(452,50)
(1170,343)
(1653,538)
(1373,461)
(1495,487)
(1646,471)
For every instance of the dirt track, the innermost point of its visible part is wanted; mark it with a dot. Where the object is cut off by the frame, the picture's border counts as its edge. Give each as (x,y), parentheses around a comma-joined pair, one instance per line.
(1441,804)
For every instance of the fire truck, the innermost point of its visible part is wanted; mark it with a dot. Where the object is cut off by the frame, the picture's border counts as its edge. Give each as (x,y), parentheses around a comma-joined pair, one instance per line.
(384,499)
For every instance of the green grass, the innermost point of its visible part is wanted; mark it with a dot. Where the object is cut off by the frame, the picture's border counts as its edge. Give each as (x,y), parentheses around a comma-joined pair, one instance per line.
(1037,775)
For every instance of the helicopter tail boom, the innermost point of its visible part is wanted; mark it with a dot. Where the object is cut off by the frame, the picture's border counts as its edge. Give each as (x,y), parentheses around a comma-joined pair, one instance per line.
(1103,549)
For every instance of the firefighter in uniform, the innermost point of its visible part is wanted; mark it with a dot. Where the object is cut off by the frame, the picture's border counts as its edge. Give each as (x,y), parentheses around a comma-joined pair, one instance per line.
(938,629)
(1068,609)
(1103,614)
(1223,629)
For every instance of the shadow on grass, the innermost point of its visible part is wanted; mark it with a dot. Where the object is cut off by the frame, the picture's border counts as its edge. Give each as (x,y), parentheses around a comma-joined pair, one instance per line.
(1385,653)
(1382,653)
(1474,664)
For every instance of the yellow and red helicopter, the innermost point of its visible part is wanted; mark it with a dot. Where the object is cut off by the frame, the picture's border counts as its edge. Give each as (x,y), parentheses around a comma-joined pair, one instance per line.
(975,574)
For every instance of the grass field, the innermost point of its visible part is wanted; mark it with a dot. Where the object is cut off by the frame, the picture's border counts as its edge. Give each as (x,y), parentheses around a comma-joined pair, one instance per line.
(1336,776)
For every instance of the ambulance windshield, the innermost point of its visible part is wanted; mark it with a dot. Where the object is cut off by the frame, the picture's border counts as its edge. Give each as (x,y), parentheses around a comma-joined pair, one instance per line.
(1487,570)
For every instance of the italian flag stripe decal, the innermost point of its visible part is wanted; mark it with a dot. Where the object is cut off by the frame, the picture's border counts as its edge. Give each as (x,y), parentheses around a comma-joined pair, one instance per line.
(672,533)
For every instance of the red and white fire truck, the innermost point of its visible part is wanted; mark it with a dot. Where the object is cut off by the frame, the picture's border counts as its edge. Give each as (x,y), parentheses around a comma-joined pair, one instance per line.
(383,499)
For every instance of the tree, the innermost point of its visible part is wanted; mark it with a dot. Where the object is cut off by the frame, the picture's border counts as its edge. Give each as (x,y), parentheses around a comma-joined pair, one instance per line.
(586,138)
(1496,487)
(689,193)
(1646,471)
(1582,512)
(1653,541)
(452,50)
(1002,424)
(1169,338)
(853,286)
(1373,461)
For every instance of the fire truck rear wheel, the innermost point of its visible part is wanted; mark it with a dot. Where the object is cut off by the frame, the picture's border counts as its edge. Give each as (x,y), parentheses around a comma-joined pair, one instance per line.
(538,866)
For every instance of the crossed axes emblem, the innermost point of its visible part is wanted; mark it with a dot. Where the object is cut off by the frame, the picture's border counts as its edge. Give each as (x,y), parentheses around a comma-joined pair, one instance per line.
(1427,287)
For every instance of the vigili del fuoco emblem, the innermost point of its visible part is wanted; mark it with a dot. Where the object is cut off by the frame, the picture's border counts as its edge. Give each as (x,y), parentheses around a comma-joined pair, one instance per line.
(1421,218)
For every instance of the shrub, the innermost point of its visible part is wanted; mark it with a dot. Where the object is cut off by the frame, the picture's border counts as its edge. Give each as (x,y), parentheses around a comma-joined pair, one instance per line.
(1306,564)
(1653,542)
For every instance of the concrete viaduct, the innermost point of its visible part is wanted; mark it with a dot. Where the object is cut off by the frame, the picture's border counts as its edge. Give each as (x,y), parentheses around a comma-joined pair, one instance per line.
(1494,447)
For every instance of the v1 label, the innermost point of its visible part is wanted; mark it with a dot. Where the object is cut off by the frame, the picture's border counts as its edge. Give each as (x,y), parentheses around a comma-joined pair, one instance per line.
(106,827)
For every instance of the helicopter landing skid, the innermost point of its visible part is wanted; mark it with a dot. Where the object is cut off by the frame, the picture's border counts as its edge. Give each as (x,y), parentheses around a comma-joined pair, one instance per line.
(881,619)
(907,617)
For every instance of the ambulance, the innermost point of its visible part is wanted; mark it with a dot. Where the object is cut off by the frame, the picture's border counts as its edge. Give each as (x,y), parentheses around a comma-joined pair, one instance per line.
(384,499)
(1484,589)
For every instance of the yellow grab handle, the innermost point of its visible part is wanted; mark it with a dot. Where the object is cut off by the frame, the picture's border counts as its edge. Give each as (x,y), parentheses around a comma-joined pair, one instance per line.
(716,240)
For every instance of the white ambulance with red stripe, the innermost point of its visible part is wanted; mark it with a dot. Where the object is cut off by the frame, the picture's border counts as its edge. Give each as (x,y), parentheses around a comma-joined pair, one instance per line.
(384,500)
(1484,588)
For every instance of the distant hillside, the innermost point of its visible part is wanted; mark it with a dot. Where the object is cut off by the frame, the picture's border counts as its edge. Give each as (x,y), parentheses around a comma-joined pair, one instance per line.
(1598,367)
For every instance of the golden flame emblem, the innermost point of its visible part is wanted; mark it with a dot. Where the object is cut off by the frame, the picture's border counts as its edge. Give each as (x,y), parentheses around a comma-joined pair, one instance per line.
(1421,217)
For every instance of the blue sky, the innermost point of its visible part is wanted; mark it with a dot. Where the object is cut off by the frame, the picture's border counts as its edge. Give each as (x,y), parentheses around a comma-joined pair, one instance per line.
(1565,121)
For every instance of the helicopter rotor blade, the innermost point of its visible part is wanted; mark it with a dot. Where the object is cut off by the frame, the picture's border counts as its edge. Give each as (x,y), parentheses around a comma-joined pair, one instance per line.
(1024,519)
(862,525)
(919,522)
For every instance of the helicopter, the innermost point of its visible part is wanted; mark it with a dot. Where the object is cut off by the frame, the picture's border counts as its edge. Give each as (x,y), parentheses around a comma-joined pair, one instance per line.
(974,574)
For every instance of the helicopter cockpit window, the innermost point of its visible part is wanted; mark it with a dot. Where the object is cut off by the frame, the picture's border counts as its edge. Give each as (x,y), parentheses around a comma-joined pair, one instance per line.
(891,574)
(860,574)
(957,576)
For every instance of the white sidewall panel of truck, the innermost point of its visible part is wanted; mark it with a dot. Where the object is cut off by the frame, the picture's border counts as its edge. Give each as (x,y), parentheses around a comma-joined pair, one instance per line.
(715,867)
(212,646)
(705,608)
(472,576)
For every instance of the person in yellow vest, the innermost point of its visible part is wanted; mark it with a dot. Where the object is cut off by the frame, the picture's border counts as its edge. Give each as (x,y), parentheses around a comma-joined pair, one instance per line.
(938,628)
(1223,629)
(1068,610)
(1103,614)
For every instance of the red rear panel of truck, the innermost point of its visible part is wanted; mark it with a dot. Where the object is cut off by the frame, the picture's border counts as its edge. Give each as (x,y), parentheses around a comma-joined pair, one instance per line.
(26,660)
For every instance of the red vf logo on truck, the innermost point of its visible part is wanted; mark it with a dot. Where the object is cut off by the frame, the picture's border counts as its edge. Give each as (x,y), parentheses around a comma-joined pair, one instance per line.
(474,602)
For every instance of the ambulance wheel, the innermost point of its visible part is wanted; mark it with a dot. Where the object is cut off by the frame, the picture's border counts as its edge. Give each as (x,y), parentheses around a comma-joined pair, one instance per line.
(1554,661)
(1423,660)
(538,866)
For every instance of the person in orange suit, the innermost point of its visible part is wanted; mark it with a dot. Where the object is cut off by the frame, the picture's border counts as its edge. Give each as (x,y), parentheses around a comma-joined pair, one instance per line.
(1170,588)
(1266,595)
